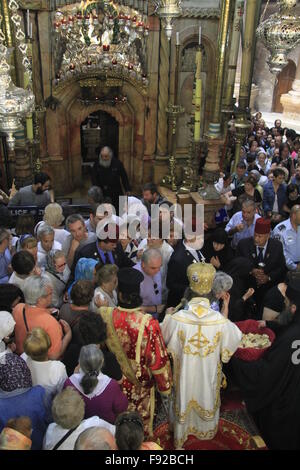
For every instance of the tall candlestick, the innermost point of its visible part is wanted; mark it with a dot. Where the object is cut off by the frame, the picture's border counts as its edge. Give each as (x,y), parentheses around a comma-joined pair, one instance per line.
(199,35)
(28,24)
(177,39)
(198,96)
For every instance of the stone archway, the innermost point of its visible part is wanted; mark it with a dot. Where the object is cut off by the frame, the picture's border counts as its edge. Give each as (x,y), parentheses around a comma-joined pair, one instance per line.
(64,140)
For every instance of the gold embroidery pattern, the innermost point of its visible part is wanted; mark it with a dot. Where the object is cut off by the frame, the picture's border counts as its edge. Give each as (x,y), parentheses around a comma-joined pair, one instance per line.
(201,323)
(194,405)
(195,432)
(114,346)
(198,344)
(226,355)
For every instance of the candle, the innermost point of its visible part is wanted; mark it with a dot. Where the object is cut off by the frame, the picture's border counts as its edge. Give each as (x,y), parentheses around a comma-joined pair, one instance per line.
(198,96)
(177,39)
(29,127)
(199,35)
(30,30)
(28,24)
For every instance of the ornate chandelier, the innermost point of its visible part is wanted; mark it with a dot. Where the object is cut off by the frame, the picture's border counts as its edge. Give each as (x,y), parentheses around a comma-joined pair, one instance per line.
(15,103)
(167,10)
(280,33)
(100,37)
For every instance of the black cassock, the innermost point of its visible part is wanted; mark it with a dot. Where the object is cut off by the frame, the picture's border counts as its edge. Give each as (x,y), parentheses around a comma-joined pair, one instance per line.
(271,389)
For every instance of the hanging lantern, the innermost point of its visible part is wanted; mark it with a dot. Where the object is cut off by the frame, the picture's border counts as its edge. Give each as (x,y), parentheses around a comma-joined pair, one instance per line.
(280,33)
(167,10)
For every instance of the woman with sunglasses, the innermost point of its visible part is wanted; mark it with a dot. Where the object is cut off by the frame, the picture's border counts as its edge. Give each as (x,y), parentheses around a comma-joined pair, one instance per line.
(58,273)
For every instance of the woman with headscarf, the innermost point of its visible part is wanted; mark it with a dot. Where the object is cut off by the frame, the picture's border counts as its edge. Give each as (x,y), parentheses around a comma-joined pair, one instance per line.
(19,398)
(84,271)
(217,249)
(58,273)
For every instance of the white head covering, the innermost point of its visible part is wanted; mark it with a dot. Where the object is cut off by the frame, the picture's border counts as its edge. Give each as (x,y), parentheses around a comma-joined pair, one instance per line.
(7,325)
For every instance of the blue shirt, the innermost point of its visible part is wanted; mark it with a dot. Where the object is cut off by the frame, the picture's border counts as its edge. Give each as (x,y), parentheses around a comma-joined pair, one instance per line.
(290,239)
(102,255)
(237,219)
(5,260)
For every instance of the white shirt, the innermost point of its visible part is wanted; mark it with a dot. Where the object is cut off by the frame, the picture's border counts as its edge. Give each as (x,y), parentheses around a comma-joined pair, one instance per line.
(55,433)
(194,253)
(49,374)
(61,235)
(264,249)
(247,232)
(112,302)
(16,280)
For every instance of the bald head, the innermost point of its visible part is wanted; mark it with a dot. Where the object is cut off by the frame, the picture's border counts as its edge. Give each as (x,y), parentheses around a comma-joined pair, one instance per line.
(295,214)
(95,438)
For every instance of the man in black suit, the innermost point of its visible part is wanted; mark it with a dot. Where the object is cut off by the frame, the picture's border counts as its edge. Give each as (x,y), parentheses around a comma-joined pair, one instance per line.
(186,252)
(106,250)
(266,255)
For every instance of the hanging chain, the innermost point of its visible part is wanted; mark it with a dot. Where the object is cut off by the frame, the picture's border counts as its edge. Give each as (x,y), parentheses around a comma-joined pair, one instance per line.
(20,36)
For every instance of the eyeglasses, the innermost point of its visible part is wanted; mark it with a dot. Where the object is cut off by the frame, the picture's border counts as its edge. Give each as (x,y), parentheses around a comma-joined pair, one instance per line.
(156,289)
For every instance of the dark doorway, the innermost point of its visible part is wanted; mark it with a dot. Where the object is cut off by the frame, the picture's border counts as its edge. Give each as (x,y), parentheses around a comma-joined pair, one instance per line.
(284,85)
(98,130)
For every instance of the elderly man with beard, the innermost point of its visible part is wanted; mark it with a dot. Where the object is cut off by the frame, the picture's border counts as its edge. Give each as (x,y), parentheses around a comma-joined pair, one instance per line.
(108,173)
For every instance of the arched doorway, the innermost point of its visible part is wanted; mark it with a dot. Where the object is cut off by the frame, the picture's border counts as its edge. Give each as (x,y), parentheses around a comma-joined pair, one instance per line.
(99,129)
(284,85)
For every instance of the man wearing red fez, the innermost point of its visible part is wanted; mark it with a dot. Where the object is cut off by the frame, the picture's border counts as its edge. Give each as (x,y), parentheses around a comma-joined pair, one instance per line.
(266,255)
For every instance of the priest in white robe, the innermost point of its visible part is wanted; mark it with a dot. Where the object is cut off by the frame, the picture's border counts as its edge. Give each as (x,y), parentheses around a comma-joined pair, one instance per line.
(199,340)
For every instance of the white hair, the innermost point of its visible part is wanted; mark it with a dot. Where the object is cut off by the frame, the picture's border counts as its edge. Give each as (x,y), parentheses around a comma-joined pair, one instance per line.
(44,230)
(34,288)
(222,282)
(94,438)
(151,253)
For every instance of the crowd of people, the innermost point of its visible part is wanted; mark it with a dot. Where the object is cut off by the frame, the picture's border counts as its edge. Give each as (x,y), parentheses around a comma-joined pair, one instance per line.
(98,333)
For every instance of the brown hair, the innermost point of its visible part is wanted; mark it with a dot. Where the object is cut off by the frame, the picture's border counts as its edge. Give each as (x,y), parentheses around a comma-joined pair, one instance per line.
(82,293)
(252,180)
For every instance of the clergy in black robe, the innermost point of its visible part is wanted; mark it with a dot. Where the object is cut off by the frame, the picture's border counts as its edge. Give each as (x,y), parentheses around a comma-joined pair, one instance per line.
(108,173)
(217,249)
(271,385)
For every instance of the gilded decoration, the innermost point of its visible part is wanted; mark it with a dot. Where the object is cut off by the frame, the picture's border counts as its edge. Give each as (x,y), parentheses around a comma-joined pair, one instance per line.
(206,415)
(198,344)
(199,434)
(105,39)
(226,355)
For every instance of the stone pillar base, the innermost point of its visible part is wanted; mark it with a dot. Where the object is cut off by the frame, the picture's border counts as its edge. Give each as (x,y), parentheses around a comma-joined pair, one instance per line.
(212,164)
